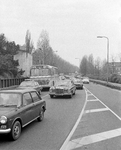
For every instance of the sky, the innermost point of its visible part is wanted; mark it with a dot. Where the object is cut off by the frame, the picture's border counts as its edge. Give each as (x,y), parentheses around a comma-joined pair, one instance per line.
(72,25)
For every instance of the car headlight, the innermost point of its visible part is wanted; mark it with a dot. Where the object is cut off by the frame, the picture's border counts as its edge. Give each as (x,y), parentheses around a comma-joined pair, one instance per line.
(52,89)
(3,119)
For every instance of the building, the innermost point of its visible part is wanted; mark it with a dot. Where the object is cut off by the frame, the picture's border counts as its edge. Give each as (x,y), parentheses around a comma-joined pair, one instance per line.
(25,60)
(115,67)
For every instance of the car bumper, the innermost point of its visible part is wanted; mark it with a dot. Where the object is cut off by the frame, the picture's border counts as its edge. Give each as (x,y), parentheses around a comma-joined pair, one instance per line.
(45,86)
(86,82)
(5,130)
(79,85)
(60,94)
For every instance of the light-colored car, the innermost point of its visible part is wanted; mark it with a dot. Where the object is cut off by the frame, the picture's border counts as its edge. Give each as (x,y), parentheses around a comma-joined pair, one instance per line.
(31,84)
(63,88)
(78,83)
(85,80)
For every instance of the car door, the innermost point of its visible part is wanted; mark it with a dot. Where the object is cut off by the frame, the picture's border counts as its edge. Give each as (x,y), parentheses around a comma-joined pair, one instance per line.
(37,103)
(28,108)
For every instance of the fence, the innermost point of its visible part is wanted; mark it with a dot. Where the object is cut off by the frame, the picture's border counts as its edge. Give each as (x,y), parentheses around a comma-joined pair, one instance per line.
(109,84)
(5,83)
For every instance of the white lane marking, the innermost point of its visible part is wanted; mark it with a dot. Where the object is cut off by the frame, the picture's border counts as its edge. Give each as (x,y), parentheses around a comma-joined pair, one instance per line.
(92,100)
(89,94)
(96,110)
(64,146)
(76,143)
(69,145)
(106,106)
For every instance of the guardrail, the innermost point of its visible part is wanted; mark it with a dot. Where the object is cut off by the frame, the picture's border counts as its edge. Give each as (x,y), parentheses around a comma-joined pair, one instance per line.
(109,84)
(5,83)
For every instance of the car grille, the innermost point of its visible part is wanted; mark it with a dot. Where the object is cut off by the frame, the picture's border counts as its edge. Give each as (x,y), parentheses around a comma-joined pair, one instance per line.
(59,91)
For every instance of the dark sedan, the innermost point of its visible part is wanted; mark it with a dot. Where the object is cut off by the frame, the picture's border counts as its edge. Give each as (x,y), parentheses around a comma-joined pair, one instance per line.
(18,108)
(31,84)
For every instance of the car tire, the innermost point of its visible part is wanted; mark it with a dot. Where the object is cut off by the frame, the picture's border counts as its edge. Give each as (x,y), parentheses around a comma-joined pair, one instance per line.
(41,115)
(15,131)
(51,96)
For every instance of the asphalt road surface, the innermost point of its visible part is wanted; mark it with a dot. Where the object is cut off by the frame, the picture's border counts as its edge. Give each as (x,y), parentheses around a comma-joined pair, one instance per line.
(50,134)
(99,127)
(91,120)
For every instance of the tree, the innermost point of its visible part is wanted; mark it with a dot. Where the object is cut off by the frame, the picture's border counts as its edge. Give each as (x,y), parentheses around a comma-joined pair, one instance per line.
(28,42)
(97,67)
(7,51)
(43,45)
(83,65)
(90,64)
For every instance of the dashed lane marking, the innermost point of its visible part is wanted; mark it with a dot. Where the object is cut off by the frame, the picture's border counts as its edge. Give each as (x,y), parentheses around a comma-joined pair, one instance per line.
(76,143)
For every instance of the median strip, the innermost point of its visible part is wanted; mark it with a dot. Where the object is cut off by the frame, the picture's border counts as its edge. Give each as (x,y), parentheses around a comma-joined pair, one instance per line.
(76,143)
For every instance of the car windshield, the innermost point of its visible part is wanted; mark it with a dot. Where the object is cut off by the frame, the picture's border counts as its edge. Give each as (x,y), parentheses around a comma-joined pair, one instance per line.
(27,84)
(10,99)
(62,83)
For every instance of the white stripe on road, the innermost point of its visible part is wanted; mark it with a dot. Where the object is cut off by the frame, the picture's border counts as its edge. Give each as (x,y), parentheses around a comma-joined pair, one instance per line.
(106,106)
(71,145)
(92,100)
(64,146)
(76,143)
(96,110)
(89,94)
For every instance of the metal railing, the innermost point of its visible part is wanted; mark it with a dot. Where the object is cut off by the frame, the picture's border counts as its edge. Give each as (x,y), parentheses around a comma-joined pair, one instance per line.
(5,83)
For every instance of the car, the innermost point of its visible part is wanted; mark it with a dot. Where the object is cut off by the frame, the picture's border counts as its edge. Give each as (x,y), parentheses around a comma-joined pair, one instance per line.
(18,108)
(78,83)
(31,84)
(85,80)
(64,87)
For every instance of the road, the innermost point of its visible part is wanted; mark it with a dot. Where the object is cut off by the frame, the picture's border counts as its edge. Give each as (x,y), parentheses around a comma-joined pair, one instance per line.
(60,117)
(99,126)
(91,120)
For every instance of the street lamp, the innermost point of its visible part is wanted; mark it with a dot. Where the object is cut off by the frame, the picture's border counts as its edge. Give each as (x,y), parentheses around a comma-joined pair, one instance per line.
(107,54)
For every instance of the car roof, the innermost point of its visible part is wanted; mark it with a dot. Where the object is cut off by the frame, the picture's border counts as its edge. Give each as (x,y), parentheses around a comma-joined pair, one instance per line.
(17,91)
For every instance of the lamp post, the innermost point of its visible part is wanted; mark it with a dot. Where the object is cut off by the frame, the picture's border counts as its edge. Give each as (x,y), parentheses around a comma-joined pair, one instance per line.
(107,54)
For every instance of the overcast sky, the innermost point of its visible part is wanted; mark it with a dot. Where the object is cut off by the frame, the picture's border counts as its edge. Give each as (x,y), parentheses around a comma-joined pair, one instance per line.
(72,25)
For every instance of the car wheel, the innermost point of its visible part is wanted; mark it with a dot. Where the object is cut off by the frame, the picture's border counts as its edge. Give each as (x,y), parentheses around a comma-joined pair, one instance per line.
(51,96)
(15,131)
(41,115)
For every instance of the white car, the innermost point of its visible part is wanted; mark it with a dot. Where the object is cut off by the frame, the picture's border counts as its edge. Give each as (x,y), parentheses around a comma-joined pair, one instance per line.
(63,88)
(85,80)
